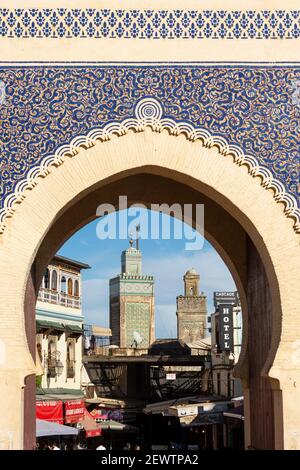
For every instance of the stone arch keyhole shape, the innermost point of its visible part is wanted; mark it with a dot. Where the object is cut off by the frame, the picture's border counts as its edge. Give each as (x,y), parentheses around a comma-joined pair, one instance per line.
(201,169)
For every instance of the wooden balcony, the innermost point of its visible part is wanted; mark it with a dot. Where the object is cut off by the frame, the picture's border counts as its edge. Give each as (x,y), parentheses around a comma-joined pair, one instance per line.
(59,298)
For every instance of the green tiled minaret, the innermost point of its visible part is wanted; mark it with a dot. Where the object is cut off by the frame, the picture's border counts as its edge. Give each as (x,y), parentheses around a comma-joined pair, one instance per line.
(132,303)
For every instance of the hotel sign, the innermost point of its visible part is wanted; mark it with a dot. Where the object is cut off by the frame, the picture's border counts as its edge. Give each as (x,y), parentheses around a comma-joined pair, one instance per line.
(226,327)
(228,298)
(170,376)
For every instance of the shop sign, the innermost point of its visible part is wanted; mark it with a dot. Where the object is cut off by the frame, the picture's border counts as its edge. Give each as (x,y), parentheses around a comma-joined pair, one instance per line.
(50,411)
(170,376)
(74,411)
(226,328)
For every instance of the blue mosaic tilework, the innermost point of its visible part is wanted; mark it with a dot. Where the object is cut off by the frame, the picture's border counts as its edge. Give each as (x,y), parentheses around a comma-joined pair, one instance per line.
(146,24)
(252,107)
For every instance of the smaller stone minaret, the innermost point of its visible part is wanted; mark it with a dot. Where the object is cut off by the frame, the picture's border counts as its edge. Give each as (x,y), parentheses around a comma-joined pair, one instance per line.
(191,310)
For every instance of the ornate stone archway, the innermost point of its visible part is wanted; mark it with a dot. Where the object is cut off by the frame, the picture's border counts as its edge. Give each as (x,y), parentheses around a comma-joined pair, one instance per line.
(232,187)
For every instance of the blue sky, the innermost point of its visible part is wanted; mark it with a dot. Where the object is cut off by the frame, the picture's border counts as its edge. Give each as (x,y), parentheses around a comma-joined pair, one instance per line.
(166,260)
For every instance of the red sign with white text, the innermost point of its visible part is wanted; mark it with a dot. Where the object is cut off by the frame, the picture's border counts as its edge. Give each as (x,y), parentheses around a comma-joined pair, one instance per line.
(93,433)
(74,411)
(50,411)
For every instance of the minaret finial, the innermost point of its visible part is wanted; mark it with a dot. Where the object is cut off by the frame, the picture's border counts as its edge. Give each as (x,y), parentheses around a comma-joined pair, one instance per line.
(138,228)
(130,240)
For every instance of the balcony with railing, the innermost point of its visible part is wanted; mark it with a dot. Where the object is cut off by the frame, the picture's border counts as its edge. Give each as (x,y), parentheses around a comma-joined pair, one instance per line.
(59,298)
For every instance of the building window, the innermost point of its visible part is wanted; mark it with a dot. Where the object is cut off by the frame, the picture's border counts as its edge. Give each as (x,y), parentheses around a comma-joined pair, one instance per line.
(218,383)
(39,350)
(70,286)
(51,358)
(229,384)
(63,285)
(76,289)
(70,359)
(54,280)
(47,279)
(51,348)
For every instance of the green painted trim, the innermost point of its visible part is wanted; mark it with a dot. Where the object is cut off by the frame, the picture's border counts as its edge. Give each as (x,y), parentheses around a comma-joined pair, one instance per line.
(130,281)
(45,313)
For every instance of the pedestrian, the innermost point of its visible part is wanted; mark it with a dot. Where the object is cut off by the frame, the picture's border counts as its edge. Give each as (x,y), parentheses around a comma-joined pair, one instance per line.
(49,446)
(127,446)
(101,446)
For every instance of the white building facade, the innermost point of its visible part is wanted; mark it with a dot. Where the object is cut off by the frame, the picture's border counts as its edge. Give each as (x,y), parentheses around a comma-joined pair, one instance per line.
(59,325)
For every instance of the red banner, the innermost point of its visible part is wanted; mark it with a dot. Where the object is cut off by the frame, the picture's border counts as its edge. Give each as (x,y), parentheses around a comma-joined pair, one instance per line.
(74,411)
(92,429)
(50,411)
(93,433)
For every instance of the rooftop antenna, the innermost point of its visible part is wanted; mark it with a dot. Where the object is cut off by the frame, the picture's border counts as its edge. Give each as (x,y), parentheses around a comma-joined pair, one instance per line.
(138,228)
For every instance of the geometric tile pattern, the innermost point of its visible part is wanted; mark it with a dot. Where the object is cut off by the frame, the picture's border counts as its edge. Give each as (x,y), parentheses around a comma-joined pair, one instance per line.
(137,319)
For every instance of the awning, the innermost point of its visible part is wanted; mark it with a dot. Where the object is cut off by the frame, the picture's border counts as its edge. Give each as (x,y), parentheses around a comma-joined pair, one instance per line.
(46,428)
(60,393)
(92,429)
(237,413)
(73,329)
(45,325)
(110,425)
(205,418)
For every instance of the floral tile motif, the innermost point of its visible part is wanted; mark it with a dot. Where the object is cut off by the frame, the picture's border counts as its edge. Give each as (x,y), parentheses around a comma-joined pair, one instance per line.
(149,24)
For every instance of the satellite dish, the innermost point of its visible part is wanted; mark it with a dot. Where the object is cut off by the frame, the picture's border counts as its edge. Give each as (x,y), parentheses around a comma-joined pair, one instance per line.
(137,339)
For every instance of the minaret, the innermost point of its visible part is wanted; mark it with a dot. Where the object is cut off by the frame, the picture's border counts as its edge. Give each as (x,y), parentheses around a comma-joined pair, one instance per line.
(191,310)
(132,302)
(131,260)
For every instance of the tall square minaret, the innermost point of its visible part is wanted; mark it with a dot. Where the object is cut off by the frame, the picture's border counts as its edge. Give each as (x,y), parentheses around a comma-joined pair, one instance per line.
(132,303)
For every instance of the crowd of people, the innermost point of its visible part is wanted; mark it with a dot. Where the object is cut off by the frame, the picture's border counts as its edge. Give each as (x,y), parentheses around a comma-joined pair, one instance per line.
(47,445)
(127,446)
(71,445)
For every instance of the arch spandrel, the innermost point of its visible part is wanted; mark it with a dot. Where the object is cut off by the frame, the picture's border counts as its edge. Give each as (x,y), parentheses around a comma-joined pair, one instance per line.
(190,162)
(149,112)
